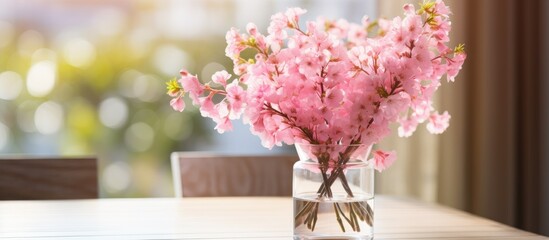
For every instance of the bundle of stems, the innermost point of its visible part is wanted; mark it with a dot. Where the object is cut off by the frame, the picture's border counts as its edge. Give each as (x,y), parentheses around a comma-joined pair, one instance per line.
(357,211)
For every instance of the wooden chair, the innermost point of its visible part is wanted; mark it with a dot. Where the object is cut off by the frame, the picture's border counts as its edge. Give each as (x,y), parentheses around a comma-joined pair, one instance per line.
(48,178)
(199,174)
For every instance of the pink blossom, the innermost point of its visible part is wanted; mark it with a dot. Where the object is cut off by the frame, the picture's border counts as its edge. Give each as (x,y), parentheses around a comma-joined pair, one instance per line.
(438,123)
(413,26)
(191,84)
(207,108)
(286,135)
(331,82)
(309,65)
(258,39)
(275,41)
(240,68)
(441,8)
(267,140)
(222,117)
(277,32)
(409,10)
(221,77)
(333,98)
(235,44)
(356,34)
(422,57)
(293,16)
(376,132)
(365,21)
(224,125)
(278,23)
(454,65)
(384,25)
(440,27)
(407,127)
(439,70)
(421,109)
(251,28)
(178,104)
(399,35)
(265,127)
(338,28)
(383,160)
(236,97)
(394,104)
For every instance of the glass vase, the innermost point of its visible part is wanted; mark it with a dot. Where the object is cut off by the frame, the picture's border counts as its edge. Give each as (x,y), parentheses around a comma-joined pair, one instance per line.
(333,192)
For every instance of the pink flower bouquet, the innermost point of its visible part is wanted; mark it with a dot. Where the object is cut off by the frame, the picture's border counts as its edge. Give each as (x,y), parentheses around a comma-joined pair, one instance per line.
(331,82)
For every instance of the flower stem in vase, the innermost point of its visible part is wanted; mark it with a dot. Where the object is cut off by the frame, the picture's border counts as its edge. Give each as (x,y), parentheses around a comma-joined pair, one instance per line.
(352,212)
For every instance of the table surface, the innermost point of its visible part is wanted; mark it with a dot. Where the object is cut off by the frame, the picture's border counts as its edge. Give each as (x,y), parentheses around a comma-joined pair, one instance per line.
(227,218)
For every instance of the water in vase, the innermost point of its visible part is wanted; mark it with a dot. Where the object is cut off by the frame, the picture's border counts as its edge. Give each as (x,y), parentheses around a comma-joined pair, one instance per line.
(340,217)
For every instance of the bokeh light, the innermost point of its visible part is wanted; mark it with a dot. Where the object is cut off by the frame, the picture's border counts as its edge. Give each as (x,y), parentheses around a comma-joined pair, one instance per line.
(48,118)
(79,52)
(210,69)
(113,112)
(116,177)
(30,41)
(148,88)
(126,83)
(41,78)
(169,59)
(140,40)
(11,85)
(139,137)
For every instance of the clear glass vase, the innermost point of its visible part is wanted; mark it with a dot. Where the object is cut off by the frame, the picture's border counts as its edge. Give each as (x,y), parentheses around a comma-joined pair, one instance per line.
(333,192)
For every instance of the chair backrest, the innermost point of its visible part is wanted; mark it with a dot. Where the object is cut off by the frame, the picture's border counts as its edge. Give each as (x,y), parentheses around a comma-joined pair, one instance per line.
(199,174)
(48,178)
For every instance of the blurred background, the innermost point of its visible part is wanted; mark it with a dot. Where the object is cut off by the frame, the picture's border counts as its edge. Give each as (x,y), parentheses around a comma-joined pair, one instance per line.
(87,78)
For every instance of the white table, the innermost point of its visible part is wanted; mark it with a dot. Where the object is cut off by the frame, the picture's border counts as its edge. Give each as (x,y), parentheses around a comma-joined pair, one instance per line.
(227,218)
